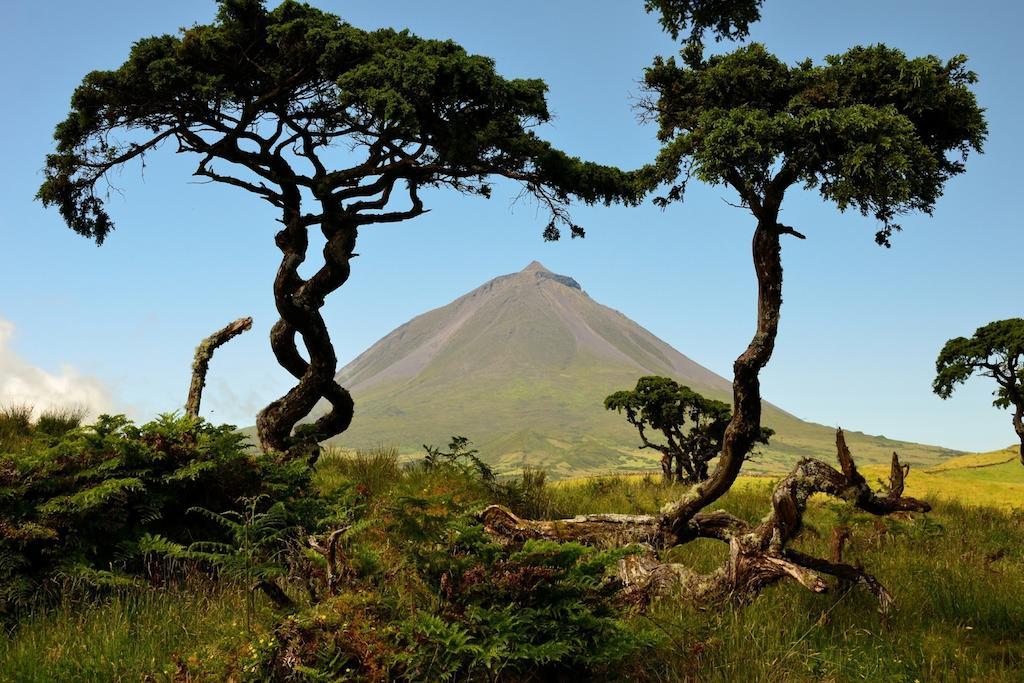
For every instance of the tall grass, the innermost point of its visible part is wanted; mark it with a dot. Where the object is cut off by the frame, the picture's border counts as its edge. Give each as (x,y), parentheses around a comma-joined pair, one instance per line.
(375,470)
(126,637)
(957,575)
(58,421)
(17,425)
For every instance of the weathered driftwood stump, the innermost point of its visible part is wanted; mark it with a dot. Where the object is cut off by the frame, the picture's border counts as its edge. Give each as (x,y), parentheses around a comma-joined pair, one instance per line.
(758,554)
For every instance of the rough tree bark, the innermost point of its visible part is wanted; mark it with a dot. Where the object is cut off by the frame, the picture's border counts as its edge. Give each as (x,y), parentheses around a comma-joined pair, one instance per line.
(742,432)
(298,303)
(758,554)
(1018,426)
(201,362)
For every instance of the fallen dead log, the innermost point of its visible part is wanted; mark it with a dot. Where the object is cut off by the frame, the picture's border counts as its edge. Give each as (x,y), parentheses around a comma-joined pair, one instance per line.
(758,554)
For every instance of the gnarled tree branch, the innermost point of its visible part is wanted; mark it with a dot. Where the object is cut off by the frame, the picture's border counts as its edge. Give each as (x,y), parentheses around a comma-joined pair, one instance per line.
(758,555)
(201,363)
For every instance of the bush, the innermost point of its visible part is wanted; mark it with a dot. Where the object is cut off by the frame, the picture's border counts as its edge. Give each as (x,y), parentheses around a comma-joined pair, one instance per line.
(75,502)
(544,611)
(445,602)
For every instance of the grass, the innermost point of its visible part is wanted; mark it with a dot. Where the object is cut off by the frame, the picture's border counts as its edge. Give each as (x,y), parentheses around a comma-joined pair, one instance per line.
(127,636)
(974,460)
(957,575)
(960,607)
(960,603)
(995,479)
(17,424)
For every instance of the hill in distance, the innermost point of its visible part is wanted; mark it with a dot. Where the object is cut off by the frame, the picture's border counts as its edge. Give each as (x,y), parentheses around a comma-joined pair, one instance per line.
(521,366)
(993,479)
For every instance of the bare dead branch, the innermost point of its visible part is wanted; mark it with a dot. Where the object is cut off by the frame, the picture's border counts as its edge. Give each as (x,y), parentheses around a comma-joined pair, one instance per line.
(337,563)
(201,363)
(758,555)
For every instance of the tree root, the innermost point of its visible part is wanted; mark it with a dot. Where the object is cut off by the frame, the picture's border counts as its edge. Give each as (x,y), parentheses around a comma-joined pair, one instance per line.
(758,554)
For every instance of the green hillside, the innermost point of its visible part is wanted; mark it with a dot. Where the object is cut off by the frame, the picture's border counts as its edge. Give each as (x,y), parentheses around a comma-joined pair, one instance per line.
(522,364)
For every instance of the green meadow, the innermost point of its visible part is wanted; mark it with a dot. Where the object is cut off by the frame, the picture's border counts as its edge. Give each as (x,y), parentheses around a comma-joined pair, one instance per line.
(956,574)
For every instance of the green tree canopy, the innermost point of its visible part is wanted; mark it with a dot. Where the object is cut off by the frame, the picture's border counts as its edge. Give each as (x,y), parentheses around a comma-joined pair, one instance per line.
(996,350)
(692,425)
(337,127)
(869,129)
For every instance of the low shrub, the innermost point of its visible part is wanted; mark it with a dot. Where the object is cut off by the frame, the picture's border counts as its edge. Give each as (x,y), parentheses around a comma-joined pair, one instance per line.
(76,501)
(429,596)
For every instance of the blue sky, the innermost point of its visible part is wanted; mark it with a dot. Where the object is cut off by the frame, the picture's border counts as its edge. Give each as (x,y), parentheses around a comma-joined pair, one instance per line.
(861,325)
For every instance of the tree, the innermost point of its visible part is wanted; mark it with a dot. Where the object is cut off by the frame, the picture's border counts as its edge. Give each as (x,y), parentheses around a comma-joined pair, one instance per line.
(869,129)
(996,350)
(692,425)
(328,123)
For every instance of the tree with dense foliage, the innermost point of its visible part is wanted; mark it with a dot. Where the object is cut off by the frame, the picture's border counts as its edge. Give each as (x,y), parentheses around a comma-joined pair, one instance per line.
(692,425)
(331,125)
(996,350)
(869,129)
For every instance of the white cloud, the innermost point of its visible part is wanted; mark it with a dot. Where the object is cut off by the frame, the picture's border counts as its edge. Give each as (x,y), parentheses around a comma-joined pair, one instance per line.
(22,383)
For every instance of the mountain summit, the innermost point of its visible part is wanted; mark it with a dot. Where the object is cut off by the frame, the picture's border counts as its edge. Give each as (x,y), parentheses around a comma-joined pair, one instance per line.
(521,366)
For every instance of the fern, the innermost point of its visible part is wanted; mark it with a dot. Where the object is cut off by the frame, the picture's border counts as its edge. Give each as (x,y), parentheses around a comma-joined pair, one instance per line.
(100,494)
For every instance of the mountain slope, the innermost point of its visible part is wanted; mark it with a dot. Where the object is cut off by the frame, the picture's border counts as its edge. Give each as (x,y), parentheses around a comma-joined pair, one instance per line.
(522,364)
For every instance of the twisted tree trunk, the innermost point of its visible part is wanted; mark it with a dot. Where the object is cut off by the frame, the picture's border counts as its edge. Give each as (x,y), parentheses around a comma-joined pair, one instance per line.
(299,302)
(745,426)
(201,363)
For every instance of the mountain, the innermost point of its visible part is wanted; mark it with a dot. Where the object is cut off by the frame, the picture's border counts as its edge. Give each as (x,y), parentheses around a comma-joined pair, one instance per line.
(521,366)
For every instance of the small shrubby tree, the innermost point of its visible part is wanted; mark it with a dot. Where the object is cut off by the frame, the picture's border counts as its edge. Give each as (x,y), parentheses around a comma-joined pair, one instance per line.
(996,350)
(692,425)
(330,124)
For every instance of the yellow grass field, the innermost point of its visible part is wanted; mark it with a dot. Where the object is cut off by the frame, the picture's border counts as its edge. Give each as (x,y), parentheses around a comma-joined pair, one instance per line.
(991,479)
(994,478)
